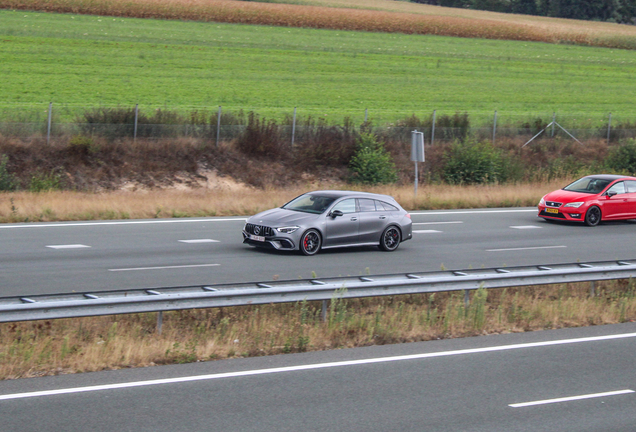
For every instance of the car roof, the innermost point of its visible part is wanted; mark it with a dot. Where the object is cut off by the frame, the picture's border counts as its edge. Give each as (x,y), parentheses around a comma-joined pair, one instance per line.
(354,194)
(611,177)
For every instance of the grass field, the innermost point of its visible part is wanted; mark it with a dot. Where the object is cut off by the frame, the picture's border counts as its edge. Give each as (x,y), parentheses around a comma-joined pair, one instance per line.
(81,60)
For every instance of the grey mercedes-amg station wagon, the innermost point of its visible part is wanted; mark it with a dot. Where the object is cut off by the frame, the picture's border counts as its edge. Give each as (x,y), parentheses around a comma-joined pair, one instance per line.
(329,219)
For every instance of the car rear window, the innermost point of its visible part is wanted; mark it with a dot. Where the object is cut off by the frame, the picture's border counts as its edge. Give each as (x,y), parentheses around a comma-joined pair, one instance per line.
(366,205)
(386,206)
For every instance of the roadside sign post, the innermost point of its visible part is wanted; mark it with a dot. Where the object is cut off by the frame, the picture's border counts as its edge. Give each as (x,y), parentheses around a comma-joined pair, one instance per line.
(417,152)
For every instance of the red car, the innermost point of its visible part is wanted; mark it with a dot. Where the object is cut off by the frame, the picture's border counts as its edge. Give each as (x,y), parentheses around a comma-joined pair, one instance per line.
(592,199)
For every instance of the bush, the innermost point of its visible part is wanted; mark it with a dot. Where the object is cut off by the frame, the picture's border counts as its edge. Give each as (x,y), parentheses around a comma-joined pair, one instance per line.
(372,164)
(81,145)
(7,180)
(262,138)
(45,182)
(473,163)
(623,158)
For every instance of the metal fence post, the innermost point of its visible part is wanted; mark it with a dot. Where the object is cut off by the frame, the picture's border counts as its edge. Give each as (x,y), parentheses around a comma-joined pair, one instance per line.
(433,128)
(553,122)
(466,298)
(159,321)
(218,127)
(366,114)
(609,128)
(592,289)
(136,118)
(494,128)
(293,128)
(48,127)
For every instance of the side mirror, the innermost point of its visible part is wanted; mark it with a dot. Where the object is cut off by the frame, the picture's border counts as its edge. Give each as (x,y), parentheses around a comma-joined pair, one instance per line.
(334,214)
(611,193)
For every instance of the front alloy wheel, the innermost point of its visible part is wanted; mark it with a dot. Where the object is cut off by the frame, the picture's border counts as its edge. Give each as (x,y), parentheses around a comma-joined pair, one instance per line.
(310,242)
(593,216)
(390,239)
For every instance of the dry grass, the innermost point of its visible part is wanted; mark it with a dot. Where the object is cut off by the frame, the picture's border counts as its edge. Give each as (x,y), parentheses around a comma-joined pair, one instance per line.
(232,199)
(91,344)
(358,15)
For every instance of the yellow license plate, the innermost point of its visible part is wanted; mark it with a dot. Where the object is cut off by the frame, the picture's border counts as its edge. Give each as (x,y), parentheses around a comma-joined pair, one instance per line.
(552,210)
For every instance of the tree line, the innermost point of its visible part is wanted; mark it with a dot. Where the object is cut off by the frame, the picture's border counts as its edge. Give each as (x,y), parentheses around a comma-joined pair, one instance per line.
(618,11)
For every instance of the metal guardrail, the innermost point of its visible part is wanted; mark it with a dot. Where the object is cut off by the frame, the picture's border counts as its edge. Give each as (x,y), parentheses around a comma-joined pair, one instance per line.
(76,305)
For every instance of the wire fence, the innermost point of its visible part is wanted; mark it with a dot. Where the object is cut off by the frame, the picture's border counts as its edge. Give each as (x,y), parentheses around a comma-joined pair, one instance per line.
(299,125)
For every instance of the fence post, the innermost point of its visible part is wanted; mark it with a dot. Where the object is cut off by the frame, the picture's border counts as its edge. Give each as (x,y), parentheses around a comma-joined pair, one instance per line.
(218,127)
(136,118)
(433,129)
(592,289)
(553,122)
(293,128)
(494,129)
(366,114)
(609,128)
(48,127)
(159,321)
(466,298)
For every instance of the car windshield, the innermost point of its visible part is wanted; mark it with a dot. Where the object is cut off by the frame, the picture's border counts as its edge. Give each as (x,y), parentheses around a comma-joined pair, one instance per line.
(589,185)
(310,203)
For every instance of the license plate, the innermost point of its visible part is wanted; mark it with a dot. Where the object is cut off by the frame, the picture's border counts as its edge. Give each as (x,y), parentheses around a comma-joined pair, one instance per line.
(257,238)
(552,210)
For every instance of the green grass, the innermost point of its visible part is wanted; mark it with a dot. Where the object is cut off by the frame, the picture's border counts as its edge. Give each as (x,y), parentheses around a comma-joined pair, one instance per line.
(79,61)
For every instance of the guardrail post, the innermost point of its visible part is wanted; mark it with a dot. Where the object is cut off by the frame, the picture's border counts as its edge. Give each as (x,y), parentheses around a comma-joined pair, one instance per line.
(466,298)
(159,321)
(323,313)
(592,290)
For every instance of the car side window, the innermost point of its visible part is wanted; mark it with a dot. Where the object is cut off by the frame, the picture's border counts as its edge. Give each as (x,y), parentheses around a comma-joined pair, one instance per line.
(366,205)
(618,188)
(346,206)
(631,186)
(386,206)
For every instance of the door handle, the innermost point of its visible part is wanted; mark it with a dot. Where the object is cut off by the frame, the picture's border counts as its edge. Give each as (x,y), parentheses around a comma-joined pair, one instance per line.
(382,217)
(354,219)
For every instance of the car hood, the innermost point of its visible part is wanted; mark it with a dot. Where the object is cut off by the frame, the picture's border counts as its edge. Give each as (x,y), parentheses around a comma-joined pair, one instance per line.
(280,217)
(564,196)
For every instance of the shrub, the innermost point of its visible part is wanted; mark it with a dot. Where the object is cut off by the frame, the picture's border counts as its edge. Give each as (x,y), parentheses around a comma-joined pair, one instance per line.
(261,138)
(623,158)
(473,163)
(372,164)
(45,182)
(81,145)
(7,180)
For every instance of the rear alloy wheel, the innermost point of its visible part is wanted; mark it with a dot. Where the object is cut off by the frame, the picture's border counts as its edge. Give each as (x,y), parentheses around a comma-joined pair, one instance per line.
(593,216)
(310,242)
(390,239)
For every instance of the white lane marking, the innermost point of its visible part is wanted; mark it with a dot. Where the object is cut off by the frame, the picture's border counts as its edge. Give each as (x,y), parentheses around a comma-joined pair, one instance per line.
(163,268)
(199,241)
(426,231)
(571,398)
(131,222)
(313,366)
(67,246)
(475,212)
(523,227)
(525,248)
(437,223)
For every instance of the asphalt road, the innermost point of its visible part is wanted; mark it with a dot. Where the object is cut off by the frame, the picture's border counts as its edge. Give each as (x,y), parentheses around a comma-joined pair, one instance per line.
(45,258)
(570,380)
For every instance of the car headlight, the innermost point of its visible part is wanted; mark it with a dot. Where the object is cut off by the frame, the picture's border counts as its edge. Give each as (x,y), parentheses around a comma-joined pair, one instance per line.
(542,202)
(287,230)
(574,204)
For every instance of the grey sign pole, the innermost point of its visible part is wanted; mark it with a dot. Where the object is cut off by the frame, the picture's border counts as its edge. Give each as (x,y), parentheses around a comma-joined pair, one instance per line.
(417,153)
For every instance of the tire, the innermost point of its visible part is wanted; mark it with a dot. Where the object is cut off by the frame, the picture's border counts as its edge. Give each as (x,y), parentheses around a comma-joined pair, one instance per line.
(593,216)
(310,242)
(391,238)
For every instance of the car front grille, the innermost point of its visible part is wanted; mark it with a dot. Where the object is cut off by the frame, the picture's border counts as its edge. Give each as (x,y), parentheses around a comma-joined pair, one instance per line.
(259,230)
(553,204)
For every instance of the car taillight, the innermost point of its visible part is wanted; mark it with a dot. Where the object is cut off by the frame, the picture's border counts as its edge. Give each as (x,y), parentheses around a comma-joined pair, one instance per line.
(408,215)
